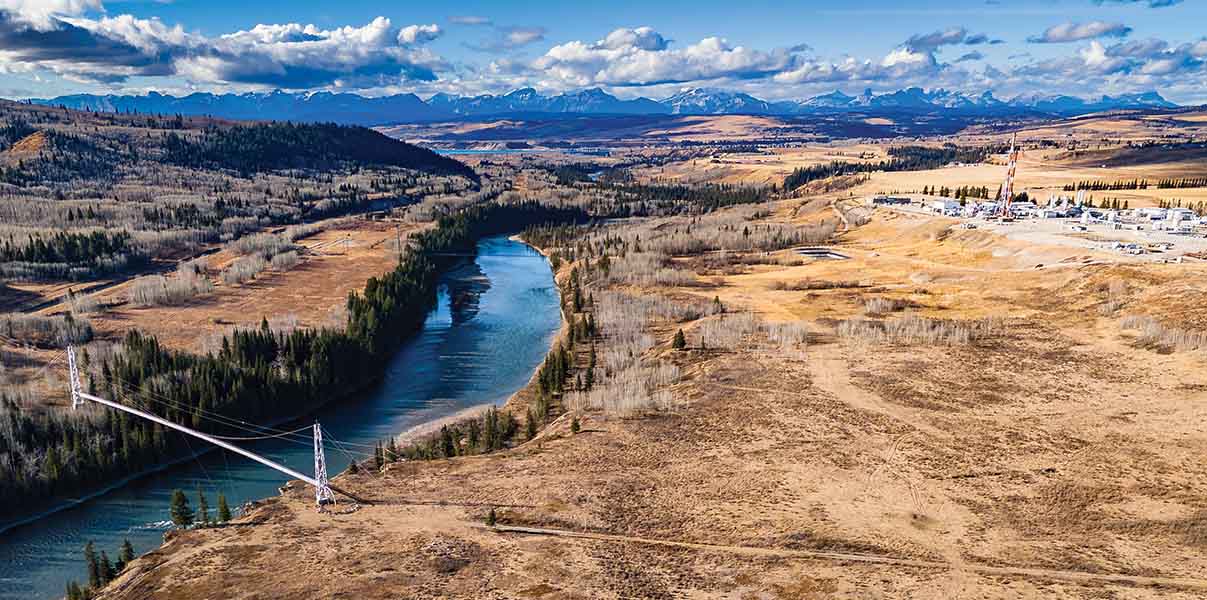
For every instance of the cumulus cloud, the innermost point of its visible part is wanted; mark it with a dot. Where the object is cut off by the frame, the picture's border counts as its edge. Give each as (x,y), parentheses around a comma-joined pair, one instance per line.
(106,50)
(413,35)
(42,14)
(970,56)
(642,56)
(57,35)
(304,56)
(1073,32)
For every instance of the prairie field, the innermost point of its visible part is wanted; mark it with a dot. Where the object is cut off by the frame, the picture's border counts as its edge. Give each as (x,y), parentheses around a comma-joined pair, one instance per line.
(931,416)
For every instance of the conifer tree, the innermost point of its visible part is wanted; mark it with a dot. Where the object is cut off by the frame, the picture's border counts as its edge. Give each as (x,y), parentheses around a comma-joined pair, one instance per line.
(106,569)
(203,508)
(182,514)
(94,566)
(530,424)
(679,342)
(127,552)
(392,450)
(224,510)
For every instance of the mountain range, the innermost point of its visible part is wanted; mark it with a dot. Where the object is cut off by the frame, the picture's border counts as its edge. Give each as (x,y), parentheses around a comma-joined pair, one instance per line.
(527,102)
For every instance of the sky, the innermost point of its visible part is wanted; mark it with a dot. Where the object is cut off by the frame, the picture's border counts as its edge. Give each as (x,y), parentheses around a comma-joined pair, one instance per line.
(773,50)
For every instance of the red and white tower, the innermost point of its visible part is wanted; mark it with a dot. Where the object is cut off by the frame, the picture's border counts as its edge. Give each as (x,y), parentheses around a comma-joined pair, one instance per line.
(1008,186)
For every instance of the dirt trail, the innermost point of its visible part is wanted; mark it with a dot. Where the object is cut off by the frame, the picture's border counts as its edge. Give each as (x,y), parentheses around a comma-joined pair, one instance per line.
(832,374)
(1014,572)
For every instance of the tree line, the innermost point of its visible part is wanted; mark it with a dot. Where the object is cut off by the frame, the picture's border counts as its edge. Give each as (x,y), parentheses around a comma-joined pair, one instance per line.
(901,158)
(1137,184)
(961,193)
(74,248)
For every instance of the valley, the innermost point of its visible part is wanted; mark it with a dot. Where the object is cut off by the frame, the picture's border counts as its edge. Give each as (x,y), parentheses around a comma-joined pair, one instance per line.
(765,383)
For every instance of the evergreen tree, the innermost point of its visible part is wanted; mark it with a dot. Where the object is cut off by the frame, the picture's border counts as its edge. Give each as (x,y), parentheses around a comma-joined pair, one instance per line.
(379,459)
(574,424)
(679,342)
(224,511)
(491,518)
(589,378)
(530,425)
(203,508)
(182,514)
(106,569)
(127,552)
(94,566)
(449,445)
(74,592)
(392,450)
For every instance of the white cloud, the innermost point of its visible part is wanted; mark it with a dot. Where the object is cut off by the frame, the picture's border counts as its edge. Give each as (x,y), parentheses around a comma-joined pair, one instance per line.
(642,56)
(418,34)
(1073,32)
(292,55)
(41,13)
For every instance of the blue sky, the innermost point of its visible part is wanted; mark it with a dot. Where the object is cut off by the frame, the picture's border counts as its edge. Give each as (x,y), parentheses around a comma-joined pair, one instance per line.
(769,49)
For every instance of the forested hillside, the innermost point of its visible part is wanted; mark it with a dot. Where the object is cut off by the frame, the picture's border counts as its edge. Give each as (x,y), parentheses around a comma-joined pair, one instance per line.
(161,187)
(273,146)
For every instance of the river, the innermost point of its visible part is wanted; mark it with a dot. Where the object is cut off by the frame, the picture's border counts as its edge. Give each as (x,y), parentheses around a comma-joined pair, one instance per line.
(493,323)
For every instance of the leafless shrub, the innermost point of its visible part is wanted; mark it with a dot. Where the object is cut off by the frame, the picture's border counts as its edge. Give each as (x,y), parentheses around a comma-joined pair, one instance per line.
(804,285)
(787,335)
(614,308)
(1154,334)
(244,269)
(233,227)
(46,332)
(727,330)
(916,329)
(882,306)
(630,392)
(649,269)
(157,290)
(1116,292)
(263,244)
(285,261)
(81,304)
(196,266)
(294,233)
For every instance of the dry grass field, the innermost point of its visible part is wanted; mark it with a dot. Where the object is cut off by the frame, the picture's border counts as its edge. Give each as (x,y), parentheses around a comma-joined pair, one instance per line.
(1048,451)
(338,259)
(1100,154)
(333,263)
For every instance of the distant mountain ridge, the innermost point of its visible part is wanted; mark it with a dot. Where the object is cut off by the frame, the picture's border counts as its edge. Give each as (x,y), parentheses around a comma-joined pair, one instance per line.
(408,108)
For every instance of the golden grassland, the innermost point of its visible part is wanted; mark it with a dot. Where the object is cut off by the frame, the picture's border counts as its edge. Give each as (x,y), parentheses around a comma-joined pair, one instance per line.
(1053,455)
(335,261)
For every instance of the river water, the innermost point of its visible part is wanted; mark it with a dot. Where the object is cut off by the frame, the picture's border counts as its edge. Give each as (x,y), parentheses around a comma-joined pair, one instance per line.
(495,318)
